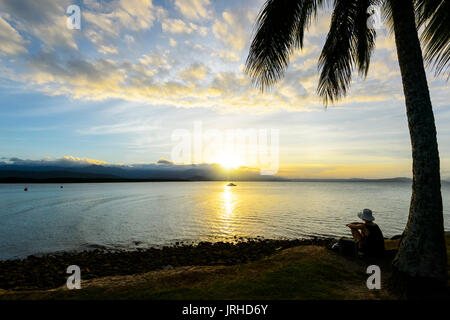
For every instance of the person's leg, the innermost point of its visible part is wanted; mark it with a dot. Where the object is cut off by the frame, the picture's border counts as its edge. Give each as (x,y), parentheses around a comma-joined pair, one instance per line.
(356,235)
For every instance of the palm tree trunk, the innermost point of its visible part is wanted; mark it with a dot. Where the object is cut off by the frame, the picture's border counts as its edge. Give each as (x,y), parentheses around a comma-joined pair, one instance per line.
(422,254)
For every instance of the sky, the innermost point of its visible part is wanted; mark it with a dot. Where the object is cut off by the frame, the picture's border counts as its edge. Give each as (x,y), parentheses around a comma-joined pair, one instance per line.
(138,71)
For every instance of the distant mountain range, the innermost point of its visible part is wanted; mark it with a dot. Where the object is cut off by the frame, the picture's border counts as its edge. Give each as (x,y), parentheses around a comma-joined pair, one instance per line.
(26,171)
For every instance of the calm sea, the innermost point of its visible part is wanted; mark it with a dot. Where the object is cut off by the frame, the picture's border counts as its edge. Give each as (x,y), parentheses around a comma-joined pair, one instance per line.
(130,215)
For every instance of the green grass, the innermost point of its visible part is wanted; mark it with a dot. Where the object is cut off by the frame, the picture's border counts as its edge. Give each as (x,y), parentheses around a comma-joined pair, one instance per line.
(287,282)
(305,272)
(308,272)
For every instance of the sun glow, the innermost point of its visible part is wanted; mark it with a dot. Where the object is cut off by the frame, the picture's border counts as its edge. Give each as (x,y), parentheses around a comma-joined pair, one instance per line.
(229,162)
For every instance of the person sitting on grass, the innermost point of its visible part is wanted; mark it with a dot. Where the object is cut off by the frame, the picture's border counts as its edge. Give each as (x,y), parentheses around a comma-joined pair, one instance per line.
(368,236)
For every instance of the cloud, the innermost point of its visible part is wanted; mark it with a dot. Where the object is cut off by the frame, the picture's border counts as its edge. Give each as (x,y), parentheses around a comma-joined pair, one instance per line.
(11,43)
(165,161)
(195,71)
(194,9)
(227,56)
(178,26)
(102,23)
(175,26)
(233,29)
(154,60)
(107,21)
(68,161)
(137,14)
(115,16)
(45,19)
(129,38)
(203,31)
(170,75)
(120,128)
(108,49)
(156,80)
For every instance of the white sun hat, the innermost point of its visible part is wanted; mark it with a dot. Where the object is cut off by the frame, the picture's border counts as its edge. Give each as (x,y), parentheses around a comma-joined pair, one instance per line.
(366,214)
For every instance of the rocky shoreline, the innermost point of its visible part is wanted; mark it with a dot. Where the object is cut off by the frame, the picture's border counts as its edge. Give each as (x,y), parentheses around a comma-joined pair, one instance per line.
(49,271)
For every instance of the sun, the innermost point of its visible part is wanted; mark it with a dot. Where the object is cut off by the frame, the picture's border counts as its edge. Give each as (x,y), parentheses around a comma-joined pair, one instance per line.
(229,162)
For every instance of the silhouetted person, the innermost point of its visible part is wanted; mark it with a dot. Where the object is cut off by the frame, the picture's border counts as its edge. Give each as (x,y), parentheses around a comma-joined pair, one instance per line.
(367,234)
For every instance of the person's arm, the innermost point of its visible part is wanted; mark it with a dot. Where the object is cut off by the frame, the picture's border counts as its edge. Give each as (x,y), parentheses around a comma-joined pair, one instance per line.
(355,225)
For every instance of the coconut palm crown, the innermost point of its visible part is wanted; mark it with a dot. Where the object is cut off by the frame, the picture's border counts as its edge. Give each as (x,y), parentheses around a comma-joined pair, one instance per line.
(281,27)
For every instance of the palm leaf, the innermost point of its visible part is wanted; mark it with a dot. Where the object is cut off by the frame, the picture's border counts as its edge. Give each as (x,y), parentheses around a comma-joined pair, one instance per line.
(434,16)
(349,43)
(280,28)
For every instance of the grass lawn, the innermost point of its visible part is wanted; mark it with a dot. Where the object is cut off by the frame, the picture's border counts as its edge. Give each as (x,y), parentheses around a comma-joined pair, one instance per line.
(304,272)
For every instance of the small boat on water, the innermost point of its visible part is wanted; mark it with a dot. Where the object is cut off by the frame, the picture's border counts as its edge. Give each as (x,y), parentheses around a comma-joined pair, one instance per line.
(26,189)
(231,184)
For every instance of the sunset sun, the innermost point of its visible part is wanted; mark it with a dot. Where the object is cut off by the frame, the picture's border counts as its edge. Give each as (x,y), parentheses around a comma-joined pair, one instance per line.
(229,162)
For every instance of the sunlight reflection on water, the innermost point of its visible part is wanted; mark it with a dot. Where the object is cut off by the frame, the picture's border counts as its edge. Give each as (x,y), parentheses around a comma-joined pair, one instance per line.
(226,211)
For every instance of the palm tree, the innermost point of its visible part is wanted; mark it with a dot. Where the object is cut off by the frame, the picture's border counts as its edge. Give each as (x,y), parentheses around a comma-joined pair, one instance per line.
(280,28)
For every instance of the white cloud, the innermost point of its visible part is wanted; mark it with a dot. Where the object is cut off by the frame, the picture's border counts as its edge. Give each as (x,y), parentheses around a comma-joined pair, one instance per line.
(226,55)
(119,15)
(137,14)
(195,71)
(169,75)
(177,26)
(109,20)
(155,60)
(200,30)
(108,49)
(194,9)
(233,29)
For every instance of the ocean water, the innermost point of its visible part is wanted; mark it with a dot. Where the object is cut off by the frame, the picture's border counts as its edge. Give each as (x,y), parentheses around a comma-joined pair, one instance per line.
(130,215)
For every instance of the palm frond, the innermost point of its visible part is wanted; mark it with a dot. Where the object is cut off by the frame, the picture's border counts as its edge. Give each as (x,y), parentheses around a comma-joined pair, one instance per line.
(434,16)
(387,15)
(280,29)
(364,36)
(349,43)
(425,9)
